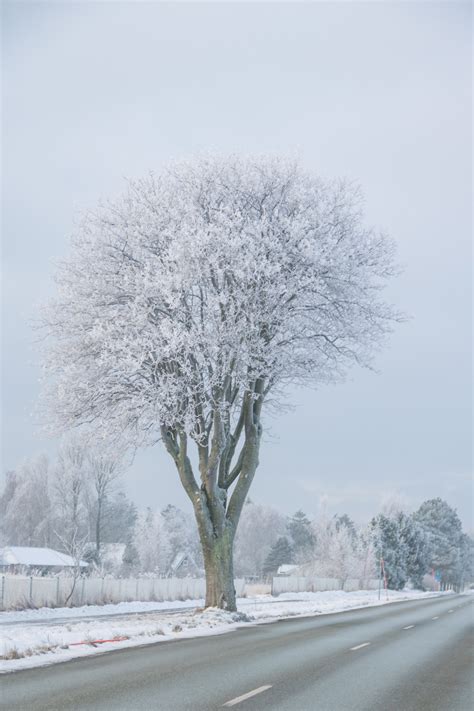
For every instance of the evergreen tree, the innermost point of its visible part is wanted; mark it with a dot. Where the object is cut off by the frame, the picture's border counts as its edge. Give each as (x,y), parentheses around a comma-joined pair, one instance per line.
(301,535)
(417,562)
(466,560)
(280,553)
(26,506)
(344,521)
(120,517)
(259,528)
(92,557)
(403,544)
(130,559)
(152,543)
(182,534)
(389,544)
(445,538)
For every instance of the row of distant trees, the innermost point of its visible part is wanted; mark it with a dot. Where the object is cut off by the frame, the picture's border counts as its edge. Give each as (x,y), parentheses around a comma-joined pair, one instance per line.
(428,541)
(76,504)
(431,540)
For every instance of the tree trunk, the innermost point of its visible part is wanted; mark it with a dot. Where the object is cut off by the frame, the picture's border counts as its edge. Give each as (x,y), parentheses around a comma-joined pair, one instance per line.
(217,510)
(219,567)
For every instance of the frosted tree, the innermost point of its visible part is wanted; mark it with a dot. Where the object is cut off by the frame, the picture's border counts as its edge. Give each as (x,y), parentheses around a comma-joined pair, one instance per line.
(443,529)
(466,562)
(368,567)
(418,553)
(152,543)
(120,518)
(403,544)
(7,508)
(302,537)
(342,561)
(26,506)
(194,301)
(70,495)
(281,553)
(104,471)
(340,551)
(130,559)
(390,545)
(343,520)
(259,528)
(182,532)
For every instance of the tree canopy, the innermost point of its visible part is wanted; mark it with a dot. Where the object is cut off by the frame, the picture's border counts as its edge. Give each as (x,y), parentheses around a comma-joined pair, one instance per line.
(203,282)
(189,300)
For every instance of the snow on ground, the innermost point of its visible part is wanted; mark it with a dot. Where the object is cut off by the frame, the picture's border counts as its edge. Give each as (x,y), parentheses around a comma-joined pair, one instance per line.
(51,614)
(38,637)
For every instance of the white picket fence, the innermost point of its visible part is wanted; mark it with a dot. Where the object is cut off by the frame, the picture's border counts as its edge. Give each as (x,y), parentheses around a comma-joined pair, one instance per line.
(293,583)
(19,592)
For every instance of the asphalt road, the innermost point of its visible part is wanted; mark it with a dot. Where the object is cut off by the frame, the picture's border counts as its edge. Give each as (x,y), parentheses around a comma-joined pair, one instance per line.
(407,656)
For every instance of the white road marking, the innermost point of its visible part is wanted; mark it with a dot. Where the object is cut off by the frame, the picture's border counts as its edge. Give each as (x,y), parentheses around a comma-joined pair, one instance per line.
(408,627)
(248,695)
(435,618)
(359,646)
(450,610)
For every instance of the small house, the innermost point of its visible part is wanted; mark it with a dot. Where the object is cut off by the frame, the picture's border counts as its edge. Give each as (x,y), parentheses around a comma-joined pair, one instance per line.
(29,560)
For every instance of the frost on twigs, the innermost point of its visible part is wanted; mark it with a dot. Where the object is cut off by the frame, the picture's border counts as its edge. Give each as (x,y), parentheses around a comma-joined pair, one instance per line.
(197,283)
(195,298)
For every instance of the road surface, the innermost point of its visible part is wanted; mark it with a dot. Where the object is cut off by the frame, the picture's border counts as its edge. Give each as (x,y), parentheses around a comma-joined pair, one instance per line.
(409,656)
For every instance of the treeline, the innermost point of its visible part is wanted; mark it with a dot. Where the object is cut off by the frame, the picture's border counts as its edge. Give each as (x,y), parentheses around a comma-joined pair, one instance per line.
(428,541)
(76,504)
(431,540)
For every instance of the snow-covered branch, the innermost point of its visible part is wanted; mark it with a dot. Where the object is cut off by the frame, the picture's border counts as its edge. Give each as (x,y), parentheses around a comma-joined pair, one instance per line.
(199,292)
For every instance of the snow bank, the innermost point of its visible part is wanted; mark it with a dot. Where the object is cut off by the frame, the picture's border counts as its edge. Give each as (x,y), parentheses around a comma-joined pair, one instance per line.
(39,637)
(51,614)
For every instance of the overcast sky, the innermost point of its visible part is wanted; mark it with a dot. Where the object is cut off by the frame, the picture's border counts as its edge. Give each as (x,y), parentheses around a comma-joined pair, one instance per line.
(376,92)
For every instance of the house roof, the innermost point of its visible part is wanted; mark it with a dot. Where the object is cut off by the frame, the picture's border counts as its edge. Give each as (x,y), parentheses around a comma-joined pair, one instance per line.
(181,558)
(286,569)
(30,555)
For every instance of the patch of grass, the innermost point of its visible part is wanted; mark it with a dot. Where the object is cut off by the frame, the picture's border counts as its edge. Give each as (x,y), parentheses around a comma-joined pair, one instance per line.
(12,653)
(157,631)
(41,649)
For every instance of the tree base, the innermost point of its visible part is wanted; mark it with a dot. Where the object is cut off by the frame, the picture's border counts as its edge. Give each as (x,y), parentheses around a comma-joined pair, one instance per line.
(218,562)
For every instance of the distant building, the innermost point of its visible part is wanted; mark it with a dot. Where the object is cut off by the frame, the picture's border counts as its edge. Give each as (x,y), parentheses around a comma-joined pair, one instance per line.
(287,569)
(183,565)
(28,559)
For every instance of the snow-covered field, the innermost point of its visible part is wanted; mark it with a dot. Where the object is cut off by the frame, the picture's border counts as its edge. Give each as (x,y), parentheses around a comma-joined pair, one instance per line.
(38,637)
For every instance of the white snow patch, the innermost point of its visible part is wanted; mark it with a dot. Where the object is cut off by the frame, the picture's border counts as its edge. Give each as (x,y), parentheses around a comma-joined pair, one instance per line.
(39,637)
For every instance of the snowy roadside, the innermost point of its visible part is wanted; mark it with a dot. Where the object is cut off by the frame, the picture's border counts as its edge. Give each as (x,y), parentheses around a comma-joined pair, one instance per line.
(52,615)
(135,623)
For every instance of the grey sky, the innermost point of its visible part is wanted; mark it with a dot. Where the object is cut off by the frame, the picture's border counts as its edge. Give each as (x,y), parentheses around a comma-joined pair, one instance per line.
(377,92)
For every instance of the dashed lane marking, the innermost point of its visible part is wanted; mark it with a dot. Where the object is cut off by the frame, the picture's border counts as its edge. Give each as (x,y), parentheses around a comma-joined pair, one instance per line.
(359,646)
(408,627)
(248,695)
(435,618)
(450,610)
